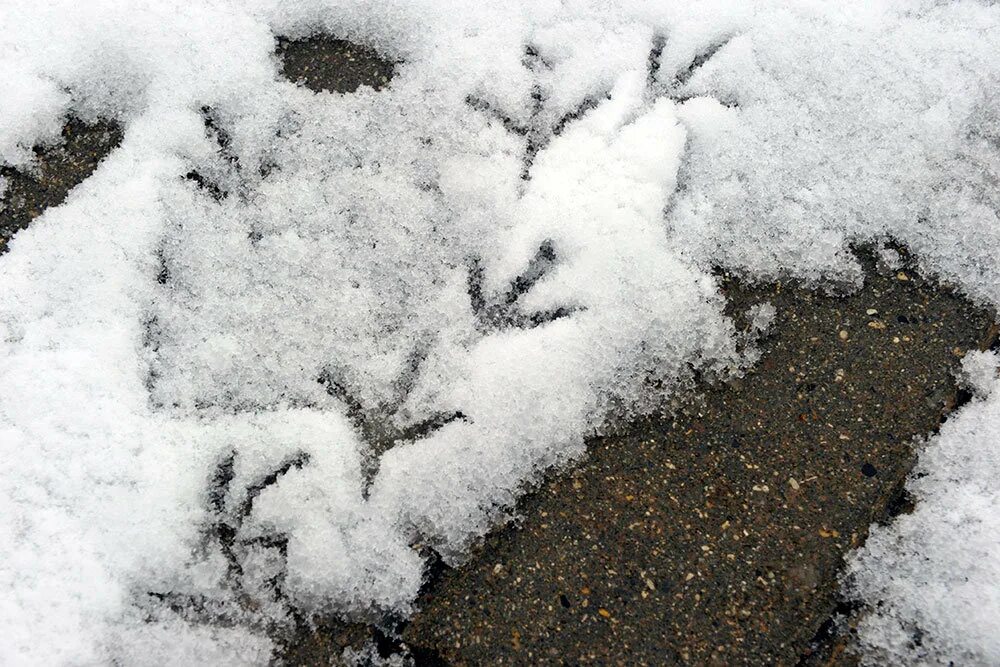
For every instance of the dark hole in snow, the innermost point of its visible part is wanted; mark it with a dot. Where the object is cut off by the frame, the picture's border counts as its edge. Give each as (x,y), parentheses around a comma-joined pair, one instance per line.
(821,646)
(323,63)
(900,503)
(377,642)
(208,186)
(390,649)
(962,397)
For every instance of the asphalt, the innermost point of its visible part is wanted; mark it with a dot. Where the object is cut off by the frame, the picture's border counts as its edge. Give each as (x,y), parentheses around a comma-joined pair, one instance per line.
(713,533)
(58,169)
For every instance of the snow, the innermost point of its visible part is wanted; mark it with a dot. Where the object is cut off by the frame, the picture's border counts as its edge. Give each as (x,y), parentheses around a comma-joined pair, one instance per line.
(391,311)
(934,571)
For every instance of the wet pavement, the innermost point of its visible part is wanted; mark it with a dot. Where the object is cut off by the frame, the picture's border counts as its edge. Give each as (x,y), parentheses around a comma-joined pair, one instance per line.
(711,534)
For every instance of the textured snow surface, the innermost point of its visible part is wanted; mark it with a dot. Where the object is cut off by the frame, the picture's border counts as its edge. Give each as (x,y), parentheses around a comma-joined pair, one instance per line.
(226,408)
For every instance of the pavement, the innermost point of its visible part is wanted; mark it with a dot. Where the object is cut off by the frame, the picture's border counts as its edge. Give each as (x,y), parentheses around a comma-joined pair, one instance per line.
(713,533)
(58,169)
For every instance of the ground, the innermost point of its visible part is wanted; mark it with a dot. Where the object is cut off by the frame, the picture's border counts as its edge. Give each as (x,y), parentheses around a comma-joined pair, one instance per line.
(713,533)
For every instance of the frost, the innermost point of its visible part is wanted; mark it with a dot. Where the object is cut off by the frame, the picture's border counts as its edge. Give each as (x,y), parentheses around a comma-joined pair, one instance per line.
(280,337)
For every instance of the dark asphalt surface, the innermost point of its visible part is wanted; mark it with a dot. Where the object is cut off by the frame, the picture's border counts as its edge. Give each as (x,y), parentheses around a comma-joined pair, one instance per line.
(711,534)
(59,169)
(714,535)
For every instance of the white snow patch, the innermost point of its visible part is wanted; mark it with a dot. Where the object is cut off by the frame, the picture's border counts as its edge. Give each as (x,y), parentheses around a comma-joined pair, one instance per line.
(979,372)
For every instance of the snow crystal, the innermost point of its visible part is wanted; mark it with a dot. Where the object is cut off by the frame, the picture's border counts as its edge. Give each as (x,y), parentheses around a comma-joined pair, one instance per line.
(761,317)
(281,336)
(979,371)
